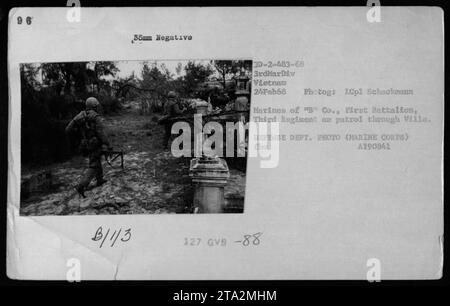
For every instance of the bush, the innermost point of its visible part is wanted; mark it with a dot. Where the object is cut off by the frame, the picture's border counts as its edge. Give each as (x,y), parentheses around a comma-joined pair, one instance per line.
(110,105)
(45,115)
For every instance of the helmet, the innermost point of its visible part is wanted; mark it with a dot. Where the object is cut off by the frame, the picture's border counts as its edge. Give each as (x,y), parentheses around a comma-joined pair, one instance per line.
(92,103)
(172,94)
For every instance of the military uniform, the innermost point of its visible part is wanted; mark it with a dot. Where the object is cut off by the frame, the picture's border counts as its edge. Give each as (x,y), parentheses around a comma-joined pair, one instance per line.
(241,103)
(90,124)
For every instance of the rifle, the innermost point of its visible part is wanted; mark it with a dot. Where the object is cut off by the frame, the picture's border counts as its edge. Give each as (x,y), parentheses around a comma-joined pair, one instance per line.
(111,156)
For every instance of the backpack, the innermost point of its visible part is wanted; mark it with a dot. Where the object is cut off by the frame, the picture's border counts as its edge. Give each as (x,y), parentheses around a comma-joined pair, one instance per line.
(87,125)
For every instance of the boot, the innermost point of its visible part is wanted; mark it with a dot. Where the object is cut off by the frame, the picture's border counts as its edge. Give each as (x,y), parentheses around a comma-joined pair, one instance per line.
(101,182)
(80,191)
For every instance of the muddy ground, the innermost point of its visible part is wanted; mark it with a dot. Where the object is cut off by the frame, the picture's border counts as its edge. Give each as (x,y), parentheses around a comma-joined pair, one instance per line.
(152,181)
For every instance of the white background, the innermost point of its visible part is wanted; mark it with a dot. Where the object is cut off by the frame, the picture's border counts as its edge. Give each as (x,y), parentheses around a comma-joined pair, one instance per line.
(324,211)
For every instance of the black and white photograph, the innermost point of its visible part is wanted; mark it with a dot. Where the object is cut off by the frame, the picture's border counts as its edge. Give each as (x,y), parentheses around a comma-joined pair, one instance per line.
(96,137)
(224,144)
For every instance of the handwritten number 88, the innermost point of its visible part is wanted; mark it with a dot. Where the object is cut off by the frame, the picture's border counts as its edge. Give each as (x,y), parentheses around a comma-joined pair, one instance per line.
(255,241)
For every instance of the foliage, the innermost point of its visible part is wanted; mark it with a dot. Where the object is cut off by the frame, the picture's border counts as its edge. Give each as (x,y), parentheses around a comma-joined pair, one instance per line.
(228,68)
(195,75)
(53,93)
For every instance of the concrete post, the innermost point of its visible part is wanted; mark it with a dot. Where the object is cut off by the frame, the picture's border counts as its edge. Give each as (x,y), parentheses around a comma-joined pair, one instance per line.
(209,176)
(201,107)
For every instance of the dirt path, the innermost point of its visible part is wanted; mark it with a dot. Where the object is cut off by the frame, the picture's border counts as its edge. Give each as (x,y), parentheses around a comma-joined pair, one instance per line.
(152,182)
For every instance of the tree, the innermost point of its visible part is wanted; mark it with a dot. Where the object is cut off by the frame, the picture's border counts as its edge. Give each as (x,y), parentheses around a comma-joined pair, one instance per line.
(224,68)
(105,68)
(196,73)
(227,67)
(245,65)
(80,74)
(126,87)
(155,79)
(58,75)
(28,75)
